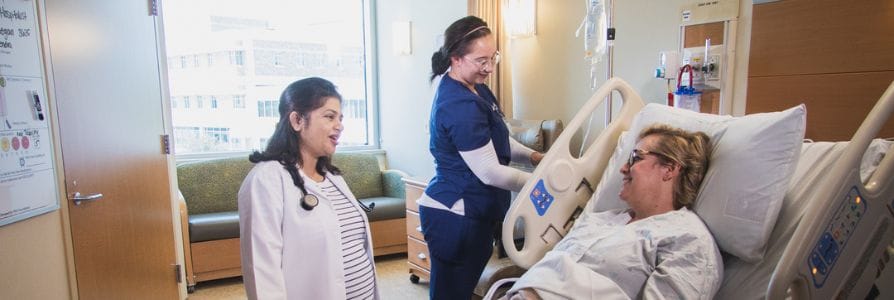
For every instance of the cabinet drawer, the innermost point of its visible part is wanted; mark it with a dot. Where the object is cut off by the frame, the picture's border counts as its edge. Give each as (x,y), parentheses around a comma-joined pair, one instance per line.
(419,271)
(417,253)
(414,190)
(414,226)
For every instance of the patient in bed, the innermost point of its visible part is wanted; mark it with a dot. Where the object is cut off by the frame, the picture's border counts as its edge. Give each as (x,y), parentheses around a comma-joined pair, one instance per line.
(658,248)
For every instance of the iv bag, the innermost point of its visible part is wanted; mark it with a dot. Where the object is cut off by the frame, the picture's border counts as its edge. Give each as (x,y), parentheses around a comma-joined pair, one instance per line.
(594,26)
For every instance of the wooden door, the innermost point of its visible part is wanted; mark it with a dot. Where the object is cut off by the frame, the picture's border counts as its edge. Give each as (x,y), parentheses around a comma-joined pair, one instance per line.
(105,81)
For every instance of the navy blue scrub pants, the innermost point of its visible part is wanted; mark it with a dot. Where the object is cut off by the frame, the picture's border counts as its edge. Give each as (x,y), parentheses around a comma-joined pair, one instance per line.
(459,248)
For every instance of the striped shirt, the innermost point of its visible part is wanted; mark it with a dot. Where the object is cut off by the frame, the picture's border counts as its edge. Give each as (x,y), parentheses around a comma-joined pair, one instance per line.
(360,279)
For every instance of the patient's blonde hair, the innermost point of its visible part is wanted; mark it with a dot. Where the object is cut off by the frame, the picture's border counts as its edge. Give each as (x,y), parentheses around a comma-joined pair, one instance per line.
(689,150)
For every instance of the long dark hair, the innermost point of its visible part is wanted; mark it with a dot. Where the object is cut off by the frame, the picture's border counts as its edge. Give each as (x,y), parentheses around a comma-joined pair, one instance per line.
(457,38)
(302,96)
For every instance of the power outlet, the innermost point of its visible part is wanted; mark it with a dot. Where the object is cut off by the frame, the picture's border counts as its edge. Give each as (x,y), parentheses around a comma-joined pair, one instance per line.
(713,72)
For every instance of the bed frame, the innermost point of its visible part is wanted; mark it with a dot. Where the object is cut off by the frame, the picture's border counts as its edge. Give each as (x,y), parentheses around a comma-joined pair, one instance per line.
(837,250)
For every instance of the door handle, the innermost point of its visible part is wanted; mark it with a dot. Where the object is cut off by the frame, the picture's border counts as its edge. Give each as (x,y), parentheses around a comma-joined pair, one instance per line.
(78,198)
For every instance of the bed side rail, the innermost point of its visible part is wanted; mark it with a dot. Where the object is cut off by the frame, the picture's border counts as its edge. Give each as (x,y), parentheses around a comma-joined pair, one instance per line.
(836,251)
(561,184)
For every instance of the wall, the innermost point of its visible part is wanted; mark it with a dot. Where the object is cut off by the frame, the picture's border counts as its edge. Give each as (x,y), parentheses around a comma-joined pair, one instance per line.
(839,80)
(33,259)
(405,94)
(551,79)
(33,251)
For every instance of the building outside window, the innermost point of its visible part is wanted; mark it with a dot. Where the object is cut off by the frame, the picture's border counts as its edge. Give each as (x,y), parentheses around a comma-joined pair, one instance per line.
(261,47)
(236,57)
(238,101)
(268,109)
(217,135)
(187,136)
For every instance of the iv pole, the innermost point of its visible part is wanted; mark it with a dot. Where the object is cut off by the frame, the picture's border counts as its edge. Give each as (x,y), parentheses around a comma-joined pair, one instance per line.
(610,37)
(609,72)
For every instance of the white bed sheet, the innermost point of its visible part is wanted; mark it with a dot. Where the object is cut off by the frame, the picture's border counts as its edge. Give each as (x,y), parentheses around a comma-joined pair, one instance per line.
(749,281)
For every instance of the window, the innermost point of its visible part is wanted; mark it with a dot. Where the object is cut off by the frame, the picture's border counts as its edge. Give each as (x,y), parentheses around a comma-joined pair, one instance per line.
(186,138)
(238,101)
(236,58)
(257,48)
(218,136)
(268,109)
(173,102)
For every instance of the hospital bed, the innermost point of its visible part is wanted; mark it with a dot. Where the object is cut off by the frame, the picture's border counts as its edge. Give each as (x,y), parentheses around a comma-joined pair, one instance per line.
(832,238)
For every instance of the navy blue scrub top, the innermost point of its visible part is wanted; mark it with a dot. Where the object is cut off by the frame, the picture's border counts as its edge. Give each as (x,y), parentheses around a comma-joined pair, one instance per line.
(464,121)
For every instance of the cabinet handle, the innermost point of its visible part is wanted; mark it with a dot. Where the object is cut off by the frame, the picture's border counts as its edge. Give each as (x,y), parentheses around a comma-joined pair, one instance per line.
(419,228)
(421,256)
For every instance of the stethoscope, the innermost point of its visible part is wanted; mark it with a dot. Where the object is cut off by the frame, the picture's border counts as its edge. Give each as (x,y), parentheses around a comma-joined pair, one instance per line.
(310,201)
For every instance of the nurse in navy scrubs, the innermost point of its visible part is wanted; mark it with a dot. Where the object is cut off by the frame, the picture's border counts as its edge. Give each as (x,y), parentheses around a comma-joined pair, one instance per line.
(469,193)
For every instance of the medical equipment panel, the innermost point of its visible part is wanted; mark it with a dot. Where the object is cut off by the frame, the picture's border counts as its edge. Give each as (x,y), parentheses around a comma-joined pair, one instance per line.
(834,239)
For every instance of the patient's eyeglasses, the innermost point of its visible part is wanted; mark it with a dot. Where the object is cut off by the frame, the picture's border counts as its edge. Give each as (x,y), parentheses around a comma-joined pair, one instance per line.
(485,62)
(637,155)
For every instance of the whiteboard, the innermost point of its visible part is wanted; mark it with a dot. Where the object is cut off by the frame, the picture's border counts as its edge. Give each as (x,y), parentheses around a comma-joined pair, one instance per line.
(28,184)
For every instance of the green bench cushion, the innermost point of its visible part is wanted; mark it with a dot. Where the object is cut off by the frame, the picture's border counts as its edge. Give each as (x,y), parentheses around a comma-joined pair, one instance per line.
(387,208)
(212,186)
(213,226)
(361,172)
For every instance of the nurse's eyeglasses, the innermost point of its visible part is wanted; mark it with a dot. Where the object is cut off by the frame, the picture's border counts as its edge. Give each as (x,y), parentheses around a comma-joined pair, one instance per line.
(485,62)
(637,155)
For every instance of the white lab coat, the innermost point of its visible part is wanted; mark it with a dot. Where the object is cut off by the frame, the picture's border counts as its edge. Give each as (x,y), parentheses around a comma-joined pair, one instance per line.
(289,252)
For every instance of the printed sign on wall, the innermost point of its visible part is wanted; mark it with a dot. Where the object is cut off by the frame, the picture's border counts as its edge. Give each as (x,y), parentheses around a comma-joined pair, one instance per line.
(27,168)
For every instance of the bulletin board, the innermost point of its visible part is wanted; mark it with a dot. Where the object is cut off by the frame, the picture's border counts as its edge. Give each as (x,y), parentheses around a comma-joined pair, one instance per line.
(28,184)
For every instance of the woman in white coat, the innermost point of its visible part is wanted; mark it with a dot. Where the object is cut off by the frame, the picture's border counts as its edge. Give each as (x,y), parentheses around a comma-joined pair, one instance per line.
(303,233)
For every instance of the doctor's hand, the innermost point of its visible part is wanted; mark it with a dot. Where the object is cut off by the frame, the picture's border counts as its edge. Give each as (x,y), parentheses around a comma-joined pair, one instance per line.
(536,157)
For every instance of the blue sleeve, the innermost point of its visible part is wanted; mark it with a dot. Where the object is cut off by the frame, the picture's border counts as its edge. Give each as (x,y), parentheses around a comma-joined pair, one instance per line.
(466,123)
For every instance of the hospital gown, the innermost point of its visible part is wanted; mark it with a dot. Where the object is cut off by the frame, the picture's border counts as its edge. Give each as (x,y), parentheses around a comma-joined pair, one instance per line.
(671,255)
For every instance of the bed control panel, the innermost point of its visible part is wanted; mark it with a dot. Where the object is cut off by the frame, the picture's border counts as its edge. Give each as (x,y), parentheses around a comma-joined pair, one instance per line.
(835,237)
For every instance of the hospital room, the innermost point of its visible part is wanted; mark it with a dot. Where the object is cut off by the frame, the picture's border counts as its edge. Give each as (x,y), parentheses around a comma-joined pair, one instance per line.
(459,149)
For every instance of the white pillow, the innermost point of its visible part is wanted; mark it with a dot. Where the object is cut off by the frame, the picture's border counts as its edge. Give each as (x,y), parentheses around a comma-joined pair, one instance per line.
(741,195)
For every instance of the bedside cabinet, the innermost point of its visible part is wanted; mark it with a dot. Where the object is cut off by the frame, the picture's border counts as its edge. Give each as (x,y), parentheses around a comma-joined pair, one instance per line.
(417,249)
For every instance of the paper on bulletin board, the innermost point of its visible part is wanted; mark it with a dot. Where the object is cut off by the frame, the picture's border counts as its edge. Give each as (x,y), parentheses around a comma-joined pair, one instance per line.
(708,11)
(27,166)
